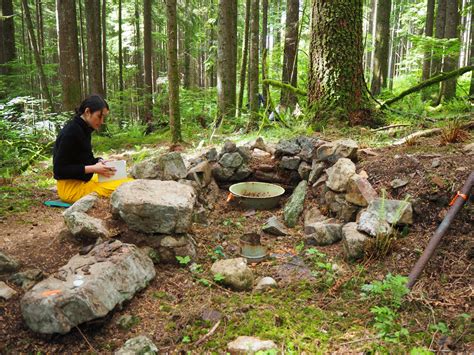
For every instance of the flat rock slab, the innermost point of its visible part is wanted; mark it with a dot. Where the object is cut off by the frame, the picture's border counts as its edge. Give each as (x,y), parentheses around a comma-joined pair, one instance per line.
(139,345)
(236,273)
(274,227)
(152,206)
(294,270)
(6,292)
(87,287)
(295,205)
(250,345)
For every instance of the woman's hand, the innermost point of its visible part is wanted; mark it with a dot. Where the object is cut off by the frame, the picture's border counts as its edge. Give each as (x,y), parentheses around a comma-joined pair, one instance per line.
(101,169)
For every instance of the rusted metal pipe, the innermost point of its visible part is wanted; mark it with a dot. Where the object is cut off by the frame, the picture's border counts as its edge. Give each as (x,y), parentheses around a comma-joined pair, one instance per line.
(443,227)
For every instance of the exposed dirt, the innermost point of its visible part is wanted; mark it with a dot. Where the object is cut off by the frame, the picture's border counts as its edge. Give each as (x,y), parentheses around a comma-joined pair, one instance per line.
(175,300)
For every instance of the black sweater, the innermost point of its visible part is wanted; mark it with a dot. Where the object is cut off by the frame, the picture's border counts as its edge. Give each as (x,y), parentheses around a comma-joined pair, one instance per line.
(73,151)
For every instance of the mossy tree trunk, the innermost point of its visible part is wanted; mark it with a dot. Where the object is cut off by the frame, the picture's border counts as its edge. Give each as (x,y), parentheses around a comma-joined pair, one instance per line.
(382,39)
(448,87)
(243,66)
(336,81)
(253,65)
(69,71)
(290,56)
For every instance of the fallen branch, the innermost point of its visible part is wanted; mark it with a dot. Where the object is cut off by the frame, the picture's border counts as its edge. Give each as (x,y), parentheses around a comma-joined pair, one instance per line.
(427,133)
(391,126)
(434,80)
(285,86)
(209,333)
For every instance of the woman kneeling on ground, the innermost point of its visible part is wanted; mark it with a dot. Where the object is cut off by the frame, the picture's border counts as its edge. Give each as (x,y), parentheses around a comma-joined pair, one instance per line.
(75,168)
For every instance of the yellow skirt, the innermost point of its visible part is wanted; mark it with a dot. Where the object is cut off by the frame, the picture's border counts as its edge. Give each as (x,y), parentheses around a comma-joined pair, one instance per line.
(70,190)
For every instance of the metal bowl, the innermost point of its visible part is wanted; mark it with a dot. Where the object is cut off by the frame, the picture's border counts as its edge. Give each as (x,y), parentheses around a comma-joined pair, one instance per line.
(257,195)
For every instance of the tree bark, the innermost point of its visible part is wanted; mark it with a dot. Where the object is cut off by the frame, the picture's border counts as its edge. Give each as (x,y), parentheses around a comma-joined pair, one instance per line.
(439,33)
(147,43)
(226,58)
(426,71)
(381,50)
(138,59)
(39,65)
(253,65)
(94,47)
(69,67)
(84,66)
(187,82)
(290,56)
(448,87)
(471,58)
(243,66)
(173,74)
(264,48)
(104,46)
(7,36)
(336,78)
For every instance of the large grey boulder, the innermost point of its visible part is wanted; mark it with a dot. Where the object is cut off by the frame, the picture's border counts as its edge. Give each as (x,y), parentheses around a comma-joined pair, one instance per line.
(168,166)
(323,233)
(152,206)
(353,241)
(8,264)
(250,345)
(295,205)
(82,225)
(139,345)
(340,174)
(236,273)
(359,191)
(87,287)
(333,151)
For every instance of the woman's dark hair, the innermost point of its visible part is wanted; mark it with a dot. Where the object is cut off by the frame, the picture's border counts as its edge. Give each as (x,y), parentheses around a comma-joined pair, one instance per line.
(94,102)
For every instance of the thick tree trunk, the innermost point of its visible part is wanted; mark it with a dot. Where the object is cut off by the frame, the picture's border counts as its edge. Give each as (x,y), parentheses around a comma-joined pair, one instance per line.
(84,66)
(253,65)
(336,79)
(471,58)
(40,28)
(94,47)
(138,59)
(448,87)
(69,67)
(381,50)
(290,56)
(439,33)
(120,54)
(243,66)
(426,71)
(173,78)
(39,65)
(7,36)
(226,58)
(147,43)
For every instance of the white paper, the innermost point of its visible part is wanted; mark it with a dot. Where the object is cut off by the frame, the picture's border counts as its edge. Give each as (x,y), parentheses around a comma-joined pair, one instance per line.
(120,170)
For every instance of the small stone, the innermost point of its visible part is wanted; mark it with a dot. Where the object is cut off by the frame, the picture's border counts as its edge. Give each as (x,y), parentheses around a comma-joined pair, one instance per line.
(353,241)
(229,147)
(359,191)
(371,223)
(8,264)
(127,321)
(469,149)
(266,283)
(397,183)
(139,345)
(6,292)
(211,155)
(231,160)
(287,147)
(304,170)
(290,163)
(324,233)
(27,279)
(317,169)
(436,163)
(339,174)
(274,227)
(245,153)
(295,204)
(438,181)
(236,273)
(250,345)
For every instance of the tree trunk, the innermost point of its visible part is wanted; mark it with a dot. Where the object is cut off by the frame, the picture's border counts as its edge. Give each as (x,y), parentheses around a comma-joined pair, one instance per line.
(253,65)
(471,58)
(173,74)
(381,50)
(226,58)
(84,66)
(138,60)
(448,87)
(94,47)
(290,56)
(187,49)
(439,33)
(336,78)
(40,28)
(371,29)
(147,43)
(39,65)
(243,66)
(104,46)
(69,67)
(7,37)
(264,48)
(426,71)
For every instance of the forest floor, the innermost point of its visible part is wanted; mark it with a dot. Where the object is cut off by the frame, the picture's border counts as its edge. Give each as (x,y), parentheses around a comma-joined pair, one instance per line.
(325,313)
